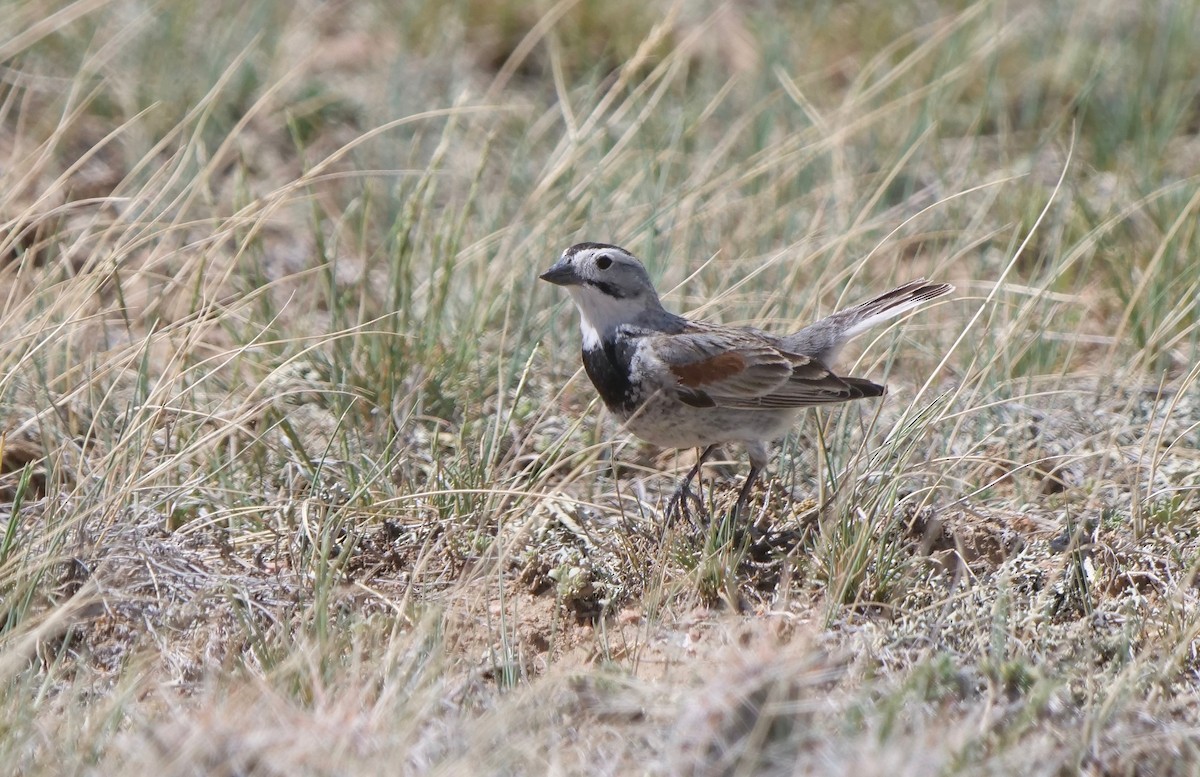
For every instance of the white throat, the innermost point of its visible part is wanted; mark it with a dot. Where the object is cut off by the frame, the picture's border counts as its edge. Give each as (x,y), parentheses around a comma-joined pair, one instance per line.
(600,314)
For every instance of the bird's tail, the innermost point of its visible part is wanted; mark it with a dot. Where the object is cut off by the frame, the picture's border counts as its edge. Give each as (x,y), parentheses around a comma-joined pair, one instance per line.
(825,338)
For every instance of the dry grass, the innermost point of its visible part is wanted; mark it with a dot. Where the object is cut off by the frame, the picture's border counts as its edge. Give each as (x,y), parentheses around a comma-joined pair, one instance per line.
(298,473)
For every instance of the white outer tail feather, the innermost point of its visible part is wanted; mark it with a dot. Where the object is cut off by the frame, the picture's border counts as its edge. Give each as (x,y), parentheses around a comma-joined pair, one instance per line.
(897,309)
(823,339)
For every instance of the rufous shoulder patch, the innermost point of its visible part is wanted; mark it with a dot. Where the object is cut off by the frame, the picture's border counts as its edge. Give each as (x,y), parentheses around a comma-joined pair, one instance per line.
(701,373)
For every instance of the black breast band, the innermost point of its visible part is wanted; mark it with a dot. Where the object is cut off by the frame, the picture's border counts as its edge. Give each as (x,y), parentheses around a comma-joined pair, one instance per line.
(609,368)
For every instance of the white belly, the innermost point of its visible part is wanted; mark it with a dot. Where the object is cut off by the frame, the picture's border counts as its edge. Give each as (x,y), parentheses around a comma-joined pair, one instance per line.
(672,424)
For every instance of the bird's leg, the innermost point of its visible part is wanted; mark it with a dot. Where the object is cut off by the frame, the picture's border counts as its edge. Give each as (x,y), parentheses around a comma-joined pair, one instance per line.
(744,494)
(758,460)
(682,492)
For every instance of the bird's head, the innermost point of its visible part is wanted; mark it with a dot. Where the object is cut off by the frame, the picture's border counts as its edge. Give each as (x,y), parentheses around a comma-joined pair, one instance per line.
(608,284)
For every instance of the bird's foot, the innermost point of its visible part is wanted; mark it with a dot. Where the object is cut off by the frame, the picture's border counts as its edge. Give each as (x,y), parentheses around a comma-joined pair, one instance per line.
(678,505)
(743,501)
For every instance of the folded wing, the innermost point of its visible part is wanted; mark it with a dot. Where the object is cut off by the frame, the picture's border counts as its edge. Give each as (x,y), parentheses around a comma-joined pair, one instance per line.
(728,368)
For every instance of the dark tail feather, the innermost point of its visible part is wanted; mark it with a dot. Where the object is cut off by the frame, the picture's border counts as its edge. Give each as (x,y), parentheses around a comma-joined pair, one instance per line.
(861,388)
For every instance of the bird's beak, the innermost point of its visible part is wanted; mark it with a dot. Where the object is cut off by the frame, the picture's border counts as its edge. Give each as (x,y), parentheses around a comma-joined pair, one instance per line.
(561,274)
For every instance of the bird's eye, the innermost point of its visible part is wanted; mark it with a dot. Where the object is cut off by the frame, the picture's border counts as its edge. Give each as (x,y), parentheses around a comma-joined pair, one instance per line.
(604,261)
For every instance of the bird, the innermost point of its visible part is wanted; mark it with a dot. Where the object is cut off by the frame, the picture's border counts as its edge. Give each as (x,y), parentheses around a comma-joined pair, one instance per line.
(677,382)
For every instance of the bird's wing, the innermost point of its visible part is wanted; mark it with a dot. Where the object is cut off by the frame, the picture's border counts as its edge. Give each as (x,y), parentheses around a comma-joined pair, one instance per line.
(805,392)
(739,368)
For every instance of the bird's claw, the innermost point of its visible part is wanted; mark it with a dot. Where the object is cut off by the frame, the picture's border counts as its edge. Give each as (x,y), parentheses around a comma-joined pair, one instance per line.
(678,504)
